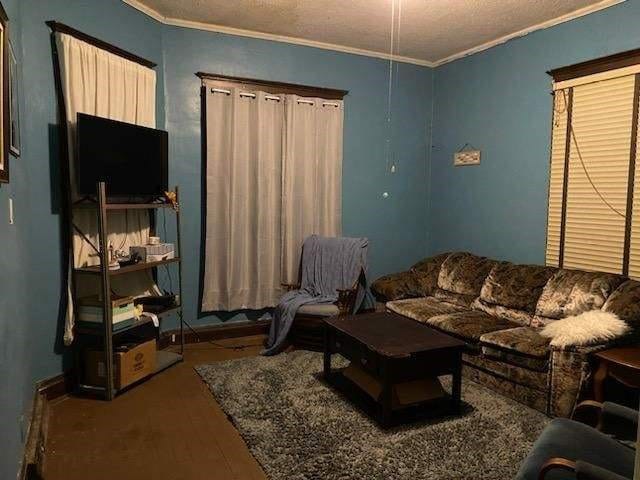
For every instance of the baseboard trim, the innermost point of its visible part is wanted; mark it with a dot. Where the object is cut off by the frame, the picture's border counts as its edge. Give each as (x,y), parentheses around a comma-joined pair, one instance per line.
(218,332)
(56,387)
(60,385)
(32,465)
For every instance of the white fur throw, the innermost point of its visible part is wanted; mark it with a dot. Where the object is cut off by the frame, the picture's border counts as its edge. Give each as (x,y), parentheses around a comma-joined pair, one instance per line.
(584,329)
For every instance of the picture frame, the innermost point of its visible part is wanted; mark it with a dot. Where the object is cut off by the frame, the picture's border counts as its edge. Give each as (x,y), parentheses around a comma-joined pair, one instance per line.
(4,96)
(14,96)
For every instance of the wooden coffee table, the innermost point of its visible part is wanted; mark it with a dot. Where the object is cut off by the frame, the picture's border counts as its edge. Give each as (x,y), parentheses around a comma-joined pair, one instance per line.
(392,352)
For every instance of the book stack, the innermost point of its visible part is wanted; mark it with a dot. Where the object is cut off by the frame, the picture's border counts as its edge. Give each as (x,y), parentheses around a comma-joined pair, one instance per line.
(91,315)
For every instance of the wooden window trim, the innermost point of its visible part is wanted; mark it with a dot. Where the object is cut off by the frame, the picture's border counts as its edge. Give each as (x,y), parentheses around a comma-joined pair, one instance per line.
(598,65)
(631,179)
(58,27)
(225,81)
(565,179)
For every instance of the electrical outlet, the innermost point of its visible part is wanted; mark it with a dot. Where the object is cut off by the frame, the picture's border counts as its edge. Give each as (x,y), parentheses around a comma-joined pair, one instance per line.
(173,338)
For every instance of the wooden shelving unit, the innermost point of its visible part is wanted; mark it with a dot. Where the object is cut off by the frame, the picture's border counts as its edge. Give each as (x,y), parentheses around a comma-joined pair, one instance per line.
(106,335)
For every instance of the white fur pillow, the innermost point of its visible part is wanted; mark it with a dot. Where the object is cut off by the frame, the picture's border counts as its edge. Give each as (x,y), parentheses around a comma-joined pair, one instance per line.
(584,329)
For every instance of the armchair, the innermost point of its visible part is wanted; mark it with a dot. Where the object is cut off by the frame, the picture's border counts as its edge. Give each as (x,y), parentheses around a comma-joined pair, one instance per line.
(568,449)
(307,329)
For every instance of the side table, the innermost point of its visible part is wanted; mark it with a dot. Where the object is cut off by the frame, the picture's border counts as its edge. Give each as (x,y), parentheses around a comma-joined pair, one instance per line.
(622,364)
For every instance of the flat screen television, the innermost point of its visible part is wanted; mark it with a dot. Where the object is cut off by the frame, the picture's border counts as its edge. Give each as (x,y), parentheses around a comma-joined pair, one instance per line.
(131,159)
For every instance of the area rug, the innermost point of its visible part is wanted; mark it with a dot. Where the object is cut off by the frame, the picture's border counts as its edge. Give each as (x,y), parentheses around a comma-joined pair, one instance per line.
(299,429)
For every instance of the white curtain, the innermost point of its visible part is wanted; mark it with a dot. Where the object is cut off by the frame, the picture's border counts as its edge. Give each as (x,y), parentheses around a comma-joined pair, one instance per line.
(312,176)
(99,83)
(274,176)
(243,183)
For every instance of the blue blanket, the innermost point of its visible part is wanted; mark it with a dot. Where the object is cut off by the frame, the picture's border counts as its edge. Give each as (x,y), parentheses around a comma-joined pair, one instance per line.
(328,264)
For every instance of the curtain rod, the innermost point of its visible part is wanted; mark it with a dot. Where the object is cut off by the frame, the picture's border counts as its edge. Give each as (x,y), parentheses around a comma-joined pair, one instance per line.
(272,97)
(268,86)
(57,27)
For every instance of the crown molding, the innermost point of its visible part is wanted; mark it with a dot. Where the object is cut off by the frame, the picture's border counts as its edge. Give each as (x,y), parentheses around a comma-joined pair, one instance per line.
(210,27)
(596,7)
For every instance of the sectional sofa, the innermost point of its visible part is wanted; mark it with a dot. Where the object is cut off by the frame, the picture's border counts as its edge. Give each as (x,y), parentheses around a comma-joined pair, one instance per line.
(499,308)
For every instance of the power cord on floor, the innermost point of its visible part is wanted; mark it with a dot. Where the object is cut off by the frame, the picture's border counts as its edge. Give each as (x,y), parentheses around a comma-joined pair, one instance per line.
(215,344)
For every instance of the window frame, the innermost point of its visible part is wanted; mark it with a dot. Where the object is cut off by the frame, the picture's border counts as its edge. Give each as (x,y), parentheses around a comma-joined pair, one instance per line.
(625,60)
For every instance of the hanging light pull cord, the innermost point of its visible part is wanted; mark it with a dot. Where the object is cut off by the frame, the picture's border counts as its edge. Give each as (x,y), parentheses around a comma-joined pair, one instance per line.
(584,166)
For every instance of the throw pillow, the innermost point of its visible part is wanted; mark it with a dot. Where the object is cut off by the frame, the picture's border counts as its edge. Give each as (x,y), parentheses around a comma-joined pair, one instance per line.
(587,328)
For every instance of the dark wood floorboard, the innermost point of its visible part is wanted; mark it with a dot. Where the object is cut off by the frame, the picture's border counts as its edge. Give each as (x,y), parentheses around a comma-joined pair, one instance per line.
(169,427)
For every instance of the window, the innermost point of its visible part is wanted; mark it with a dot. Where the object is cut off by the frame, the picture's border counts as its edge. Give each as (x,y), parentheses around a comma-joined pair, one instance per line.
(594,217)
(273,176)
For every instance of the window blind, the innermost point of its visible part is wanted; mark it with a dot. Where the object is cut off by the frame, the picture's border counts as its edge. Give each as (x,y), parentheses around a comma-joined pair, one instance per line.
(589,177)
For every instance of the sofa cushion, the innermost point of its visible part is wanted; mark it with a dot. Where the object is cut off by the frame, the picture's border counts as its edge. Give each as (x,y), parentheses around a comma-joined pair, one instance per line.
(464,273)
(431,264)
(427,272)
(516,287)
(421,309)
(625,303)
(518,316)
(571,292)
(454,298)
(469,325)
(461,277)
(419,281)
(521,346)
(397,286)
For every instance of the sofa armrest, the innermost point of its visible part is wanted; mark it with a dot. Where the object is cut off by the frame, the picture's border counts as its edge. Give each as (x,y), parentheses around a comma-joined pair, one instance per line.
(608,417)
(397,286)
(555,464)
(587,471)
(582,470)
(620,421)
(571,374)
(569,378)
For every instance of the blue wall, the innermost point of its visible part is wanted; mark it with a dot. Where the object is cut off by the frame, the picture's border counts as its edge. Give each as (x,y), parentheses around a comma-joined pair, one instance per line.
(30,266)
(16,358)
(135,32)
(499,101)
(396,227)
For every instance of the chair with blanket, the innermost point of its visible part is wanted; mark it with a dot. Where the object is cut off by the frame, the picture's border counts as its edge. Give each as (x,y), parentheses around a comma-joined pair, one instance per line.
(569,450)
(332,281)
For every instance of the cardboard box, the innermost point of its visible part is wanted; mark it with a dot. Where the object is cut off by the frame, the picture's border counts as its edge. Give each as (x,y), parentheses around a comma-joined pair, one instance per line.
(130,363)
(403,394)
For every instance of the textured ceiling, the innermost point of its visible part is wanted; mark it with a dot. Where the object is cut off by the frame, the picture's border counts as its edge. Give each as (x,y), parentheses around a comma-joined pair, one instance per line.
(431,31)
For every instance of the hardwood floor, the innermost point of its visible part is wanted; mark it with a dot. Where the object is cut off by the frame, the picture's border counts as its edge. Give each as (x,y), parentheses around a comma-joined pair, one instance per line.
(170,427)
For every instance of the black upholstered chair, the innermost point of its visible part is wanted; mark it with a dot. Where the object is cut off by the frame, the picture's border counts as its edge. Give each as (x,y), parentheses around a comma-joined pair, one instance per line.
(569,450)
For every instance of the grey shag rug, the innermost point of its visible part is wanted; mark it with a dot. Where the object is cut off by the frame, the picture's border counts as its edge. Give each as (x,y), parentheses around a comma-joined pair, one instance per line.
(300,429)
